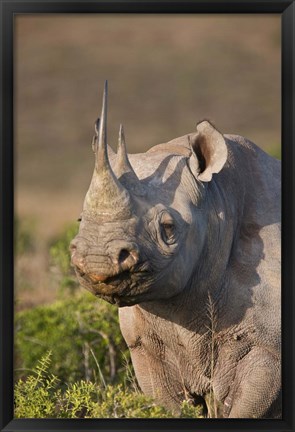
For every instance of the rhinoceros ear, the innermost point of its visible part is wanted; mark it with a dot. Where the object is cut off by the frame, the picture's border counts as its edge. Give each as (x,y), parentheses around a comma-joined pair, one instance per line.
(209,152)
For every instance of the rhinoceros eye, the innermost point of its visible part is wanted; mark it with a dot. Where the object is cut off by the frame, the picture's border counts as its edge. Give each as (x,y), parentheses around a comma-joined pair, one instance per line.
(168,229)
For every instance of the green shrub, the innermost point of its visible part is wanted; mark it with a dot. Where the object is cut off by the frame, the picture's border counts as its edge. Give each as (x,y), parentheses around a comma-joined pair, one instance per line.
(40,396)
(25,245)
(81,332)
(60,259)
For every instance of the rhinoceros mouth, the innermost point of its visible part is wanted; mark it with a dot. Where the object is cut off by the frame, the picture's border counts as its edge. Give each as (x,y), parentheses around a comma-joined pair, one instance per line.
(109,283)
(120,289)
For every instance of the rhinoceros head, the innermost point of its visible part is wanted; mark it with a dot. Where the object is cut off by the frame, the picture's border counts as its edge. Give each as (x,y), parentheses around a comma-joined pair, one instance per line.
(141,236)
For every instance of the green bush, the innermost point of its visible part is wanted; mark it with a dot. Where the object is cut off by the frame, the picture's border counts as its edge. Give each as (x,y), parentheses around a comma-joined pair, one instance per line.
(25,246)
(81,332)
(60,259)
(40,396)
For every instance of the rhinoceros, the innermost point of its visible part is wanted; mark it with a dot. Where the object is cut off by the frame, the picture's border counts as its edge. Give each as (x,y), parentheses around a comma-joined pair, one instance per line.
(185,239)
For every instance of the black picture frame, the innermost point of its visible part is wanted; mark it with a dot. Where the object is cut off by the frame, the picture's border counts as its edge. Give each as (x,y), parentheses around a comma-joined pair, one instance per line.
(8,9)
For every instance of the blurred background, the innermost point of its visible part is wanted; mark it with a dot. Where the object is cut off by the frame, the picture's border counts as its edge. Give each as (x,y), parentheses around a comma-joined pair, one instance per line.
(165,73)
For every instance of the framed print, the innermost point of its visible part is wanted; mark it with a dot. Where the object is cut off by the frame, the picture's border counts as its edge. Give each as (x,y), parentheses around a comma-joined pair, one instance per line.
(143,282)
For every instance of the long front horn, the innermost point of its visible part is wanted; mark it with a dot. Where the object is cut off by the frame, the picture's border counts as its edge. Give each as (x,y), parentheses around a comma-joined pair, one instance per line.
(111,152)
(106,195)
(102,160)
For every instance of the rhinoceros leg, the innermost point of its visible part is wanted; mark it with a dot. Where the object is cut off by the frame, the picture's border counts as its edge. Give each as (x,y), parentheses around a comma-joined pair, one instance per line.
(156,380)
(156,375)
(256,389)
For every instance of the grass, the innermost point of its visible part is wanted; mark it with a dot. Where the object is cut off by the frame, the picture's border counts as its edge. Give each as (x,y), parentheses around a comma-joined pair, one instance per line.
(40,395)
(80,331)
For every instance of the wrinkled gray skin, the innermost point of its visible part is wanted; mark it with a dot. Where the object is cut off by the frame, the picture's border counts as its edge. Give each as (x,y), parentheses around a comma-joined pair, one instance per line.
(187,243)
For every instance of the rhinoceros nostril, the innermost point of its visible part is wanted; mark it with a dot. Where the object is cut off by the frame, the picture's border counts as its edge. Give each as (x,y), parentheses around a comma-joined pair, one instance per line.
(123,255)
(127,258)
